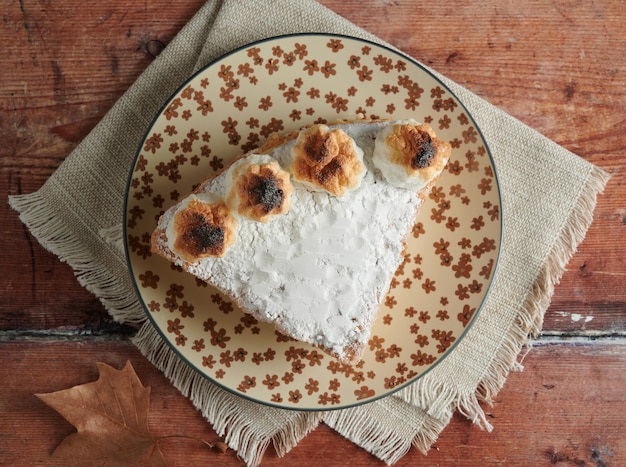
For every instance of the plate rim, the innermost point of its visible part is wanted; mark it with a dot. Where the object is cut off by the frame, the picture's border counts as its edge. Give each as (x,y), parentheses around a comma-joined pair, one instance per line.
(390,49)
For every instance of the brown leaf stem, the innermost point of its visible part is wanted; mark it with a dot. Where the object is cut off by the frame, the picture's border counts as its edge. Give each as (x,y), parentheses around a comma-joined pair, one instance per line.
(219,446)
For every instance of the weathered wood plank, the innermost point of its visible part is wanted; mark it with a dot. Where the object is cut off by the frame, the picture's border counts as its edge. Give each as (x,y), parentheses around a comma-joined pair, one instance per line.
(567,406)
(557,67)
(58,82)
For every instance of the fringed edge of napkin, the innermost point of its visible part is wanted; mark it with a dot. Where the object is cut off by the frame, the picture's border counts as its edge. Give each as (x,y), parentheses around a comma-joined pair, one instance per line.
(228,413)
(375,436)
(571,236)
(368,433)
(438,398)
(55,236)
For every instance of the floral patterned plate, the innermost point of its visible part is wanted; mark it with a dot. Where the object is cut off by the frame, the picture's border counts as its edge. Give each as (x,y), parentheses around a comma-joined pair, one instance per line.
(279,85)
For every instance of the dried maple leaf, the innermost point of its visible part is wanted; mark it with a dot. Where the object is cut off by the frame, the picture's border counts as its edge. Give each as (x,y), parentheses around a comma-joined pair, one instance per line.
(111,418)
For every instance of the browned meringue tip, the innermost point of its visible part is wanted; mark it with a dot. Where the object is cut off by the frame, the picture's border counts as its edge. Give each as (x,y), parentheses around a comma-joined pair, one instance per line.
(204,230)
(409,154)
(414,147)
(327,159)
(262,191)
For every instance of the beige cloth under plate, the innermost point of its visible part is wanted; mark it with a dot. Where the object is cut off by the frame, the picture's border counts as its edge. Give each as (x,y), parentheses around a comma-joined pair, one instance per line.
(74,215)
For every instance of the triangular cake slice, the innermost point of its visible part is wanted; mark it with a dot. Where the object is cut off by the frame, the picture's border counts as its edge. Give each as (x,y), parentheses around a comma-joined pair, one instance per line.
(307,232)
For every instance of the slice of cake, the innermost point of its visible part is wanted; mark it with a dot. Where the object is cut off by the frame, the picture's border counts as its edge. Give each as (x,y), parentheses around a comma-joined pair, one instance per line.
(307,232)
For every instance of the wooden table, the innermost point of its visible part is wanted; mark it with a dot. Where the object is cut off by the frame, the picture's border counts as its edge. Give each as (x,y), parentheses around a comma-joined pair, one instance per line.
(558,66)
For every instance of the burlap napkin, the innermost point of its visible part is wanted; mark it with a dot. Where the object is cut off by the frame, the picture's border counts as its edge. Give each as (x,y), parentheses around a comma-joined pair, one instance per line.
(548,196)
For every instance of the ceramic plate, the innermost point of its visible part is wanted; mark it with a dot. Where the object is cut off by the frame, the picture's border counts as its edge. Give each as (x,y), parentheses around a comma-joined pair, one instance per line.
(280,85)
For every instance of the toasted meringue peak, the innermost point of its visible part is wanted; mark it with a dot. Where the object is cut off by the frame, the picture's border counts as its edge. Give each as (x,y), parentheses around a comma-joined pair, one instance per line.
(409,155)
(328,160)
(260,188)
(203,230)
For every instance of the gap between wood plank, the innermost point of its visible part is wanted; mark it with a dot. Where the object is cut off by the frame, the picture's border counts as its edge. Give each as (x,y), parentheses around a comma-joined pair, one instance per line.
(545,338)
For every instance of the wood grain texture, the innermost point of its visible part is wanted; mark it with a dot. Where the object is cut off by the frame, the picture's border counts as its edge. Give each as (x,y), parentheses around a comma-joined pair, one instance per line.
(558,66)
(65,66)
(536,418)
